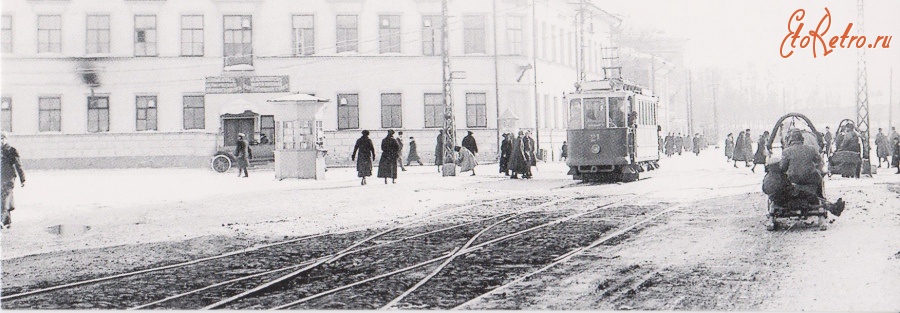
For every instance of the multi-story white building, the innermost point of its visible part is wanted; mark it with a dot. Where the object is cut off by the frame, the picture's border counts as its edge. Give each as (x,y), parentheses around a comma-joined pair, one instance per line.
(125,83)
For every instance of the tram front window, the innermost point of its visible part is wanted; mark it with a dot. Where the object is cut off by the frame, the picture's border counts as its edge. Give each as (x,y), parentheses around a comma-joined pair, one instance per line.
(576,118)
(595,113)
(617,112)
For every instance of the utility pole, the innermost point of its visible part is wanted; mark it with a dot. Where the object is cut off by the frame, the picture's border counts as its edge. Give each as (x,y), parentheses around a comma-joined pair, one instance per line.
(715,113)
(534,38)
(496,78)
(891,100)
(690,104)
(862,96)
(449,119)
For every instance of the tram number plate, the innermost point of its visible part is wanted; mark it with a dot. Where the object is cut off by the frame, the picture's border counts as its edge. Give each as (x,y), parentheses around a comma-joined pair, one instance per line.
(595,137)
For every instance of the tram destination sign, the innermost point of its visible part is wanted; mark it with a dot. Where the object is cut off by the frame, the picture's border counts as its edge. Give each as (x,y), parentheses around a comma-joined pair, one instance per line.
(247,84)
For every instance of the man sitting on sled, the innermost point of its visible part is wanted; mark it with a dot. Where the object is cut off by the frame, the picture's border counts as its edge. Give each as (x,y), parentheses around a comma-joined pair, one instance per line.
(795,181)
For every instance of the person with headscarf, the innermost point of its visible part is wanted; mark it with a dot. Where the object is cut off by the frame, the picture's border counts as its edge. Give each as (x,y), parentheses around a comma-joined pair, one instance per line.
(505,151)
(518,161)
(761,151)
(468,142)
(413,152)
(11,169)
(466,160)
(390,151)
(729,146)
(364,154)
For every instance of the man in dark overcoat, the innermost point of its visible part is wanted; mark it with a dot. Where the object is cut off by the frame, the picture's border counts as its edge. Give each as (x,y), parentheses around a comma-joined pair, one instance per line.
(468,142)
(11,169)
(390,151)
(242,154)
(518,162)
(439,151)
(505,151)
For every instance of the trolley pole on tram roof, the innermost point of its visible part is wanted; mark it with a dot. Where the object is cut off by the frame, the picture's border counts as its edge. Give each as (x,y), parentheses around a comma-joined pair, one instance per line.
(449,119)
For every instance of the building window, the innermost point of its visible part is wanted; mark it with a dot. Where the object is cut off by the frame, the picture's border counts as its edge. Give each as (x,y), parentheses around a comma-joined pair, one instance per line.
(347,33)
(563,58)
(553,45)
(97,34)
(145,35)
(6,116)
(49,109)
(98,114)
(192,35)
(431,35)
(49,33)
(304,35)
(514,35)
(267,127)
(476,110)
(194,112)
(391,111)
(238,39)
(474,34)
(146,113)
(434,110)
(348,111)
(6,35)
(389,33)
(543,41)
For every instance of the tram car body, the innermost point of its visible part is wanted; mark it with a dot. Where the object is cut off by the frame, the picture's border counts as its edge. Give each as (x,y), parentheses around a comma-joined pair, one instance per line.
(613,132)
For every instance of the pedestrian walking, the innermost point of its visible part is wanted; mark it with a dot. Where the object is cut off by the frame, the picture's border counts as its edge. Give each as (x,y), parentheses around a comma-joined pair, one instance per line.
(390,150)
(11,169)
(468,142)
(242,154)
(518,162)
(882,147)
(670,145)
(400,152)
(695,145)
(505,151)
(748,148)
(564,154)
(466,160)
(729,147)
(829,140)
(761,152)
(529,145)
(413,152)
(739,154)
(439,151)
(364,155)
(895,162)
(679,143)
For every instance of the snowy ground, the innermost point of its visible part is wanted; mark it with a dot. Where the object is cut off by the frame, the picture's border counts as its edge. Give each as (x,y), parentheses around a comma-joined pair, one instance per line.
(711,254)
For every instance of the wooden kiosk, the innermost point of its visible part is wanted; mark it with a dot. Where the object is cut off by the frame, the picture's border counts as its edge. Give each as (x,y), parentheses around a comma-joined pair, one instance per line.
(299,139)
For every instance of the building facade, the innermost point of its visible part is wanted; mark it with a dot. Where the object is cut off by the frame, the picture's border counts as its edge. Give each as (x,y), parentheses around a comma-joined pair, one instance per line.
(153,83)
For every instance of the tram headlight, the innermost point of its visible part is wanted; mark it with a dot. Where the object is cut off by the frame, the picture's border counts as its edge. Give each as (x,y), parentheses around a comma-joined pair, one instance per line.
(595,148)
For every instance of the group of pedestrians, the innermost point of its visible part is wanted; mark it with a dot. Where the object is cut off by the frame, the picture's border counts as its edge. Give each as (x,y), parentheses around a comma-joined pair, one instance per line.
(392,155)
(887,148)
(741,149)
(517,155)
(676,143)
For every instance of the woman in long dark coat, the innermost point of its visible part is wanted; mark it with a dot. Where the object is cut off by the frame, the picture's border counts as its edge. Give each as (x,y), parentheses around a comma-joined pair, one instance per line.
(505,151)
(390,151)
(439,151)
(365,156)
(729,147)
(739,154)
(761,151)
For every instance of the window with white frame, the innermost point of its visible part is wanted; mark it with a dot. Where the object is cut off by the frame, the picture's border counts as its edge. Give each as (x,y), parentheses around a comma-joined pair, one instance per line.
(145,35)
(304,34)
(267,127)
(473,32)
(145,118)
(391,110)
(49,116)
(514,35)
(431,34)
(238,39)
(6,35)
(389,34)
(553,44)
(6,116)
(49,33)
(348,111)
(192,35)
(434,110)
(97,34)
(98,114)
(347,33)
(194,112)
(476,110)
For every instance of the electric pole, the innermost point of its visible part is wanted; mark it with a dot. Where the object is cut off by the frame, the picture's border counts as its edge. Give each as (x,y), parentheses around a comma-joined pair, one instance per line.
(496,78)
(862,96)
(449,119)
(715,113)
(690,104)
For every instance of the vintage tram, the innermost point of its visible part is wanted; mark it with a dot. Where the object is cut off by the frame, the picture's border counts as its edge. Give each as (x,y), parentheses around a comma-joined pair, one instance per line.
(613,134)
